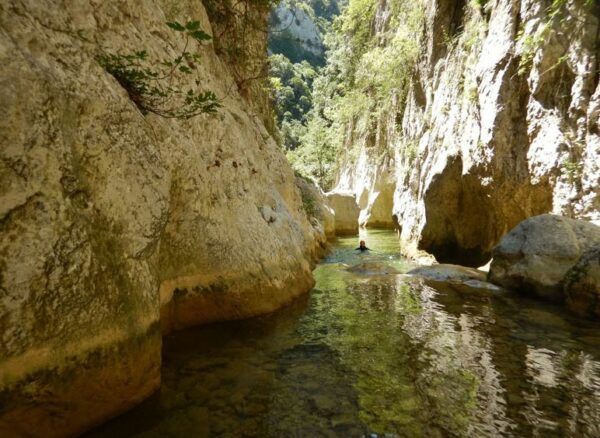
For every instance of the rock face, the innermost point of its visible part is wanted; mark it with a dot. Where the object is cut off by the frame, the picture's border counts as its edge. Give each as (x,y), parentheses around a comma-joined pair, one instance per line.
(113,224)
(373,185)
(346,212)
(500,123)
(538,257)
(299,27)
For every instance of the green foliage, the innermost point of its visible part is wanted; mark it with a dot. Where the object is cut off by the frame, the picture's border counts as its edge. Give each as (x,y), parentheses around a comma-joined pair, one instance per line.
(573,170)
(238,27)
(286,44)
(315,157)
(149,83)
(309,205)
(291,85)
(362,78)
(411,150)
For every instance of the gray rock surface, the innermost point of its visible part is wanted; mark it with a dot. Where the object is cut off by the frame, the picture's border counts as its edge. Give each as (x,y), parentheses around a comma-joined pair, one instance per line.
(316,205)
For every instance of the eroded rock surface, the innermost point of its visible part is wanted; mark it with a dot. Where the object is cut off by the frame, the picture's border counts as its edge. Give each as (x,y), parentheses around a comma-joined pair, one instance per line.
(536,256)
(113,223)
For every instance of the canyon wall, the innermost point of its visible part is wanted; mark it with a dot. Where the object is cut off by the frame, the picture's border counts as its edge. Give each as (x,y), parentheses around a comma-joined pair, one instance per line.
(500,123)
(116,226)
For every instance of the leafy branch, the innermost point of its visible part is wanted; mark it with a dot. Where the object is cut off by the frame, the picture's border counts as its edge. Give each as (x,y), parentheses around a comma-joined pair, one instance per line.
(149,84)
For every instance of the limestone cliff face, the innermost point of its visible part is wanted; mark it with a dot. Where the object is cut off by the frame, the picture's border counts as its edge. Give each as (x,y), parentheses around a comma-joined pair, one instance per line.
(501,122)
(112,222)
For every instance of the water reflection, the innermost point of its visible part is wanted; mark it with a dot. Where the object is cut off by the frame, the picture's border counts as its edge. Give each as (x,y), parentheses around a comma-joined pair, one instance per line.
(385,355)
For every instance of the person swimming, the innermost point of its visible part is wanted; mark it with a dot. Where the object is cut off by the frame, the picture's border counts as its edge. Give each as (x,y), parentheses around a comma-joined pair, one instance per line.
(362,247)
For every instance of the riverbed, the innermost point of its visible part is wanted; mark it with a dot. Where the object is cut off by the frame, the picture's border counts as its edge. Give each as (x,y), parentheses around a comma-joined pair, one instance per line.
(379,355)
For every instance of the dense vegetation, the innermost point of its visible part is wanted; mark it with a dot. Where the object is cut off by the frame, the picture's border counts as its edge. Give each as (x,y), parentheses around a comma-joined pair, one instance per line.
(362,75)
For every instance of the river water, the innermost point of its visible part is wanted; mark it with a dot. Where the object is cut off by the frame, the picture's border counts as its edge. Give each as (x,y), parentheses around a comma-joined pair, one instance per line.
(379,356)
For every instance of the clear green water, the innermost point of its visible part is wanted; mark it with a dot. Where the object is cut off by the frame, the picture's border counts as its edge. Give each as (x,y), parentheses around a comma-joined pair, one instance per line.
(379,356)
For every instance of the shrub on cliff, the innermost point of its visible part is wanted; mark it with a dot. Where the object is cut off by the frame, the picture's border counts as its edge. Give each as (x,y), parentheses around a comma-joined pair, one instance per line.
(149,83)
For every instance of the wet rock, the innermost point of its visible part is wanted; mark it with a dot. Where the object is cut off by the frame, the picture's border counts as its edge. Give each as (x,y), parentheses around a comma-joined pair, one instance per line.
(447,272)
(455,278)
(537,254)
(582,284)
(346,212)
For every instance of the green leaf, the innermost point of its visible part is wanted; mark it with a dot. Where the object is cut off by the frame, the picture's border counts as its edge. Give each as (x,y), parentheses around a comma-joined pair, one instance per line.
(193,25)
(176,26)
(200,35)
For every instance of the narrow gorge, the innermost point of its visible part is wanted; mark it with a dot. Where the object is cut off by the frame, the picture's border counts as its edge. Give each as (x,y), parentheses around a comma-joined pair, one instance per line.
(184,184)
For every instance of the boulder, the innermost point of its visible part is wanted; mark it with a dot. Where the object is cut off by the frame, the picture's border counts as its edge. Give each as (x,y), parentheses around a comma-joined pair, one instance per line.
(536,256)
(582,284)
(346,212)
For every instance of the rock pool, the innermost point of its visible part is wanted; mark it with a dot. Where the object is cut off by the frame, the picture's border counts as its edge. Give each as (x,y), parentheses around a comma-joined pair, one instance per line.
(379,355)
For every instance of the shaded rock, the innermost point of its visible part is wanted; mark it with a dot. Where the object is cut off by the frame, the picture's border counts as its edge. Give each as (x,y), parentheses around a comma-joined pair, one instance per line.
(372,268)
(346,212)
(582,284)
(537,254)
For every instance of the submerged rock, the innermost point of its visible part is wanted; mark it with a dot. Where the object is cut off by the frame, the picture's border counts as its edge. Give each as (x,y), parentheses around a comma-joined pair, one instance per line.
(373,268)
(536,256)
